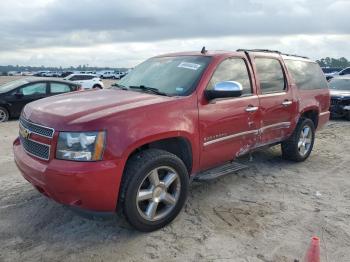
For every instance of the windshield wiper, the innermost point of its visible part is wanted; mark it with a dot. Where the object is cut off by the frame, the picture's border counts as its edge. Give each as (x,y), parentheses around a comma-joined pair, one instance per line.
(149,89)
(120,86)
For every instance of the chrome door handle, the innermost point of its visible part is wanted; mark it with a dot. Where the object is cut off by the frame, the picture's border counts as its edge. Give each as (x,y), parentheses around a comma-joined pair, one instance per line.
(251,108)
(287,103)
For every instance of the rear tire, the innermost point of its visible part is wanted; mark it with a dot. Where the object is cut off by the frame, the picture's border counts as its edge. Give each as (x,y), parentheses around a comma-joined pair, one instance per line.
(298,147)
(154,189)
(4,114)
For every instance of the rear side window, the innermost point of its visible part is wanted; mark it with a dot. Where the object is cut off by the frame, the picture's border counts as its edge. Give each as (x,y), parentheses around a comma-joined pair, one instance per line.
(271,75)
(306,75)
(74,78)
(56,88)
(232,69)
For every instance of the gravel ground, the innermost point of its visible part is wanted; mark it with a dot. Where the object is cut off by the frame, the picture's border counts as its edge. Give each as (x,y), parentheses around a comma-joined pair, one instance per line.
(267,212)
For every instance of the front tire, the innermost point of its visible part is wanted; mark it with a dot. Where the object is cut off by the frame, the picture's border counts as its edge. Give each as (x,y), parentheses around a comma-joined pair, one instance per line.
(4,114)
(154,189)
(299,146)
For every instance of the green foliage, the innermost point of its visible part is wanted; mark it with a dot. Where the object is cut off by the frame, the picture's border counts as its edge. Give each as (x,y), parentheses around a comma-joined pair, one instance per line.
(333,62)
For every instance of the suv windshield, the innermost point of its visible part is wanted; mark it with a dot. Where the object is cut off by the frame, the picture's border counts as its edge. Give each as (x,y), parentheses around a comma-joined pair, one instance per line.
(340,84)
(173,76)
(12,85)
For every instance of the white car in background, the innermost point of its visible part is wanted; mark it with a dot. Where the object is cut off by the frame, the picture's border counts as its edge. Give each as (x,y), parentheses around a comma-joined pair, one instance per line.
(87,81)
(111,74)
(14,73)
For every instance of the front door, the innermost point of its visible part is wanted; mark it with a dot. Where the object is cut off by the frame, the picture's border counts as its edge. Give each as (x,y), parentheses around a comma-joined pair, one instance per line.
(24,95)
(228,127)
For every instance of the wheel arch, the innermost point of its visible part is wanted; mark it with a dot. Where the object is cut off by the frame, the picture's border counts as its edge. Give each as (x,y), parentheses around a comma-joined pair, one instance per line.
(311,113)
(179,145)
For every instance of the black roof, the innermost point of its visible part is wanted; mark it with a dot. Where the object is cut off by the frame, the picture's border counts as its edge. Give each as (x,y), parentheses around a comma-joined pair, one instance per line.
(49,79)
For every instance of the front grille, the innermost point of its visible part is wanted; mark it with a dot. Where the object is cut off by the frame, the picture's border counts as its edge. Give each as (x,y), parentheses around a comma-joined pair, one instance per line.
(334,102)
(35,148)
(30,145)
(37,129)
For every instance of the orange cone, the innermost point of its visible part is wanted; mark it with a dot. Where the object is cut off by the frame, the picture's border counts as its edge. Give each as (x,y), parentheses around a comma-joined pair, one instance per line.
(313,253)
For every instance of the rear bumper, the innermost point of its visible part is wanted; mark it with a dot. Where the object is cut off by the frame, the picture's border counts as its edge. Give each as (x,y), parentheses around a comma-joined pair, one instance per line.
(93,186)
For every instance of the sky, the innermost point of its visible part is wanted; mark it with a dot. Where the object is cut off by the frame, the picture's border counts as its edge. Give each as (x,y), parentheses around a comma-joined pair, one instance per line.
(124,33)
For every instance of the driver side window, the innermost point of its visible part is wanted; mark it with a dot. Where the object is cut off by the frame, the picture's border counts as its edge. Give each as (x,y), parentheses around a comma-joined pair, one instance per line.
(33,89)
(232,69)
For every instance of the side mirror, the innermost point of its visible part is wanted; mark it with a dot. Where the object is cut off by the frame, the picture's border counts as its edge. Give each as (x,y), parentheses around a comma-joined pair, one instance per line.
(224,89)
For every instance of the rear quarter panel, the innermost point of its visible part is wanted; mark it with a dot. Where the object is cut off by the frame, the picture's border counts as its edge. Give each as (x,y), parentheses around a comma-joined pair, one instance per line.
(314,100)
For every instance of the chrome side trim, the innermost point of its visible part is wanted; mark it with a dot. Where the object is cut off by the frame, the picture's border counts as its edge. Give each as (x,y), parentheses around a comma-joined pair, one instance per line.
(34,124)
(282,125)
(324,113)
(230,137)
(255,131)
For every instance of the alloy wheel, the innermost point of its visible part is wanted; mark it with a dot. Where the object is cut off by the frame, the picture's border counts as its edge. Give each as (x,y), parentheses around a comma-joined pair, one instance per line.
(305,140)
(3,115)
(158,193)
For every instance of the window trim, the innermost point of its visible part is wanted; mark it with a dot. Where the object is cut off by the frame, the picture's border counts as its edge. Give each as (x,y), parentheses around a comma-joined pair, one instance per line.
(249,76)
(286,86)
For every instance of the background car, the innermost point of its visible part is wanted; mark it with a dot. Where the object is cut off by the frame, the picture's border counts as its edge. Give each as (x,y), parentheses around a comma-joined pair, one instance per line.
(14,73)
(16,94)
(340,96)
(51,74)
(329,72)
(40,73)
(343,72)
(66,73)
(87,81)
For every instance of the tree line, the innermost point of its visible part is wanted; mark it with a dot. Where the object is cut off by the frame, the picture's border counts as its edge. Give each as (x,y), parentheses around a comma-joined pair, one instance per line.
(333,62)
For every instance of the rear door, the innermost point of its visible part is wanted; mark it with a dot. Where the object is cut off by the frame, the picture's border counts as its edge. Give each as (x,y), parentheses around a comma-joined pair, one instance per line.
(228,127)
(277,105)
(59,88)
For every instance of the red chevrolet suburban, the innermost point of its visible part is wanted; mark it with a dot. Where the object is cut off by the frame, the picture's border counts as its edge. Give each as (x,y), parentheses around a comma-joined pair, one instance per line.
(174,118)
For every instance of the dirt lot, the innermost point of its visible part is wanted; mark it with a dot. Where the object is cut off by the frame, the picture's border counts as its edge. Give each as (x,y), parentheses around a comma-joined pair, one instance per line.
(268,212)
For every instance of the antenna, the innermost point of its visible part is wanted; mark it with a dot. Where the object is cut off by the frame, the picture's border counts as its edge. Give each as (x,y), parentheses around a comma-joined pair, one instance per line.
(203,51)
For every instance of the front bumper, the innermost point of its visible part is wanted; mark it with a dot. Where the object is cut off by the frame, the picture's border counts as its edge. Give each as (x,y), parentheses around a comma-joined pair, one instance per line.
(88,185)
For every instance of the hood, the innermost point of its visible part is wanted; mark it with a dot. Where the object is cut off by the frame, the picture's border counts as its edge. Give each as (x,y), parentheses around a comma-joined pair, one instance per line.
(80,108)
(339,93)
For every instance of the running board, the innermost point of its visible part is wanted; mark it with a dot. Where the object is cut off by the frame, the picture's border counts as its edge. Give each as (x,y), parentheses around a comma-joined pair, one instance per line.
(216,172)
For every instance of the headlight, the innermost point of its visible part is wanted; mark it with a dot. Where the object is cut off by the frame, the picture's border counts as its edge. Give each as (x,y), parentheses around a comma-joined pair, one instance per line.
(86,146)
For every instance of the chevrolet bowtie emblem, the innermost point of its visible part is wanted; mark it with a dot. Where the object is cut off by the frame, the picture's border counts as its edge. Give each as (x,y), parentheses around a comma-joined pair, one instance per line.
(24,132)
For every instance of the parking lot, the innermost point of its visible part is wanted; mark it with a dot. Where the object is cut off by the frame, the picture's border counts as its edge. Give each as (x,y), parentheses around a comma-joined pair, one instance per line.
(267,212)
(3,79)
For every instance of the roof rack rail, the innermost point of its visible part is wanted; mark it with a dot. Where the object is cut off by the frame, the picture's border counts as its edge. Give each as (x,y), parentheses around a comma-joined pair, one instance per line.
(269,51)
